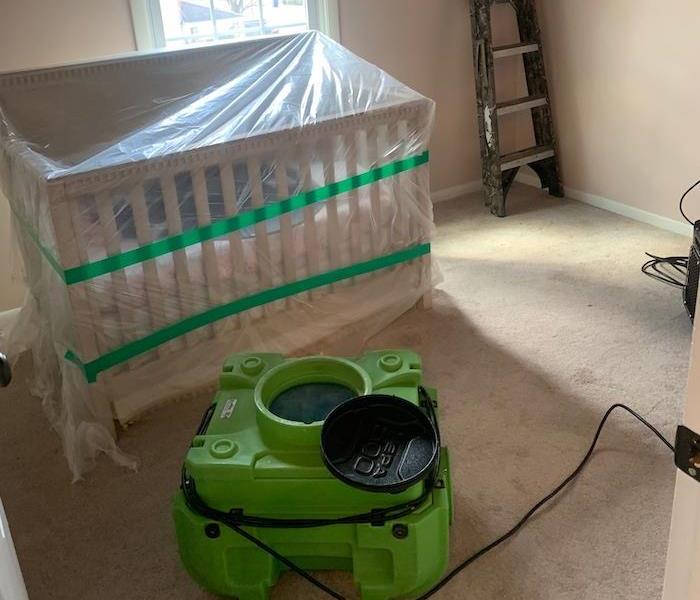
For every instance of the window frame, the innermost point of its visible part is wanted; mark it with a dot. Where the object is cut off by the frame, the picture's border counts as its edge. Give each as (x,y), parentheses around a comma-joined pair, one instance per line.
(147,21)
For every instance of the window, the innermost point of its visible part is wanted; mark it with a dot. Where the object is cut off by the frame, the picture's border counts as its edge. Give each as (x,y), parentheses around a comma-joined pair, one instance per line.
(179,23)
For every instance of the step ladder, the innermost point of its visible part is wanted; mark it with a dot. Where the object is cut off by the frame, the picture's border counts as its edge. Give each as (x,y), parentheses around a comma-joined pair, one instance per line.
(499,170)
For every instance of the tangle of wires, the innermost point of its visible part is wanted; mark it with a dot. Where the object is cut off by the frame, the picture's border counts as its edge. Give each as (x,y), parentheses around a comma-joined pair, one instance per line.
(671,270)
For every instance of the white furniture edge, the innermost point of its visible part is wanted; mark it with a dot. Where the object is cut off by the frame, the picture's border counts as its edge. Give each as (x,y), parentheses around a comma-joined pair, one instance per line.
(683,559)
(11,582)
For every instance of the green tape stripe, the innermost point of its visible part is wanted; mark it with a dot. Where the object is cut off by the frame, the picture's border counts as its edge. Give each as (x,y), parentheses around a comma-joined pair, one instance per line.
(240,221)
(132,349)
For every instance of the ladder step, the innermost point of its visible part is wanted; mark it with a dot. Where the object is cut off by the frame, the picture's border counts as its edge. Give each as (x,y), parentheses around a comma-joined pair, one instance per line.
(511,106)
(514,49)
(525,157)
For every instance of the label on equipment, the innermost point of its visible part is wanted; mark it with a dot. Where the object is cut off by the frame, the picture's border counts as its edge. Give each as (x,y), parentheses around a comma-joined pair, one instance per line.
(228,408)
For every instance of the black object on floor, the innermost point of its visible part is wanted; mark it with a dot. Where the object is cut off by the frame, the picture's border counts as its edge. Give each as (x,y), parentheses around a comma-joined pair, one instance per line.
(380,443)
(5,371)
(690,291)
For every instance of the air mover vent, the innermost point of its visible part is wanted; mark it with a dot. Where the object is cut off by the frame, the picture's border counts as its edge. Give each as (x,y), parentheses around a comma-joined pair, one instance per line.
(310,402)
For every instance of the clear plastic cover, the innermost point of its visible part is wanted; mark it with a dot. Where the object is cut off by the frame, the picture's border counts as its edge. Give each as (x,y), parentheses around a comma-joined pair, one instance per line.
(173,208)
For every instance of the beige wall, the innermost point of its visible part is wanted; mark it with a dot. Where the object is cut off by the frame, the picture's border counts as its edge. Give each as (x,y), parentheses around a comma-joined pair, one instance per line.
(625,81)
(37,33)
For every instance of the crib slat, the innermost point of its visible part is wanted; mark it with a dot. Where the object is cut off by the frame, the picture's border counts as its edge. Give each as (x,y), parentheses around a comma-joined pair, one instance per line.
(122,296)
(238,281)
(333,237)
(286,231)
(209,261)
(90,337)
(92,314)
(263,260)
(311,243)
(407,182)
(423,222)
(154,291)
(368,228)
(182,272)
(402,192)
(89,344)
(382,206)
(354,231)
(426,216)
(415,190)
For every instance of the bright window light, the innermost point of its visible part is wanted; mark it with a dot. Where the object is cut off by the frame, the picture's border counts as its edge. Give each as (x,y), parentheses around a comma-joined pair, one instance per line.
(188,22)
(180,23)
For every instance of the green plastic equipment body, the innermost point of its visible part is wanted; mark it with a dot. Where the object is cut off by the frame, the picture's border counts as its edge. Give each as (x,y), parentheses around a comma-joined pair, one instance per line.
(247,458)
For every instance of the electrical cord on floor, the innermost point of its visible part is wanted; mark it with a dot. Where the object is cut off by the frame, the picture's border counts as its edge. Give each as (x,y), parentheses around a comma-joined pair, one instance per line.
(670,270)
(576,472)
(680,204)
(226,520)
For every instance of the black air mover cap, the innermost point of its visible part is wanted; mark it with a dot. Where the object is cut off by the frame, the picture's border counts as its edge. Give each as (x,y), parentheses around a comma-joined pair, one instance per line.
(379,443)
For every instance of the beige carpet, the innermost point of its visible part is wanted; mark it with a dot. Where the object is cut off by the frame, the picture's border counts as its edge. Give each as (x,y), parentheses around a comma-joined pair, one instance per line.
(542,322)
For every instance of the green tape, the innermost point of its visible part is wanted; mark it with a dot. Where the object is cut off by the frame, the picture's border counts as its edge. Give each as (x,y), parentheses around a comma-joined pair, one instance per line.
(240,221)
(157,338)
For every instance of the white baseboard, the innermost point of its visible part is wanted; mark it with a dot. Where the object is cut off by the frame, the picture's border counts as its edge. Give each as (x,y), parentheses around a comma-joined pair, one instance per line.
(456,191)
(616,207)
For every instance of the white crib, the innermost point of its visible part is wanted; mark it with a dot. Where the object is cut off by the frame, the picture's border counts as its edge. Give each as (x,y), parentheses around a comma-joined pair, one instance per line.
(159,243)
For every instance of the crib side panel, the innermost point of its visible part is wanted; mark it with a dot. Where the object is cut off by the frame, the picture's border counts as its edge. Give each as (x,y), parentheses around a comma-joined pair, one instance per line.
(240,251)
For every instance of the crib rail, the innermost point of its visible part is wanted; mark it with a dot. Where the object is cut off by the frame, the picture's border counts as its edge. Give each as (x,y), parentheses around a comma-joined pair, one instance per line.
(358,225)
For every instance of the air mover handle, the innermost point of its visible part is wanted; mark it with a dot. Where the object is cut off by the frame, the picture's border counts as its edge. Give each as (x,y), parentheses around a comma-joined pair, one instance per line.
(5,371)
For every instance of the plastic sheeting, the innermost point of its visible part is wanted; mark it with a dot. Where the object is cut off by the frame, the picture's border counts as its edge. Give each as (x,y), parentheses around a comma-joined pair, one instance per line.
(175,207)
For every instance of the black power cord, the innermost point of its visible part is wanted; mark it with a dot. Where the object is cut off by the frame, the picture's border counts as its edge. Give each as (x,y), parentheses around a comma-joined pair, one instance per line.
(576,472)
(670,270)
(234,520)
(680,204)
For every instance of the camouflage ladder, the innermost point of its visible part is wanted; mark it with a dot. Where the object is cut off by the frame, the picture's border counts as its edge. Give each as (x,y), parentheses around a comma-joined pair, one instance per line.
(499,170)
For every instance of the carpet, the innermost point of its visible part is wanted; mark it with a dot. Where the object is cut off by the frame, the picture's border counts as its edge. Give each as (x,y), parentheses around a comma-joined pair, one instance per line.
(543,320)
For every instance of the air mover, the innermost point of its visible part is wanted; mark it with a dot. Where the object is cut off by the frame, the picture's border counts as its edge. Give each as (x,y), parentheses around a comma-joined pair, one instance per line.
(313,464)
(690,291)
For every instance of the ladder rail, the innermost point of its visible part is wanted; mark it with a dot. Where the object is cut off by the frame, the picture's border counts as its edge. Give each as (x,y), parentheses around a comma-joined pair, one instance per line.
(499,170)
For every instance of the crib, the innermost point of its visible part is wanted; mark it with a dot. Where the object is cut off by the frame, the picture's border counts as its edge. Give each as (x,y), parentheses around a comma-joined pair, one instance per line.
(172,208)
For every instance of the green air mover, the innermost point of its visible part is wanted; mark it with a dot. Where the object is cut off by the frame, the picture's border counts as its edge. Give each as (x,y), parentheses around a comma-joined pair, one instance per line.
(317,463)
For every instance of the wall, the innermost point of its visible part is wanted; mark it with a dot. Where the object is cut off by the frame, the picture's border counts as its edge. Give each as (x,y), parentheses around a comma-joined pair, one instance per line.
(625,84)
